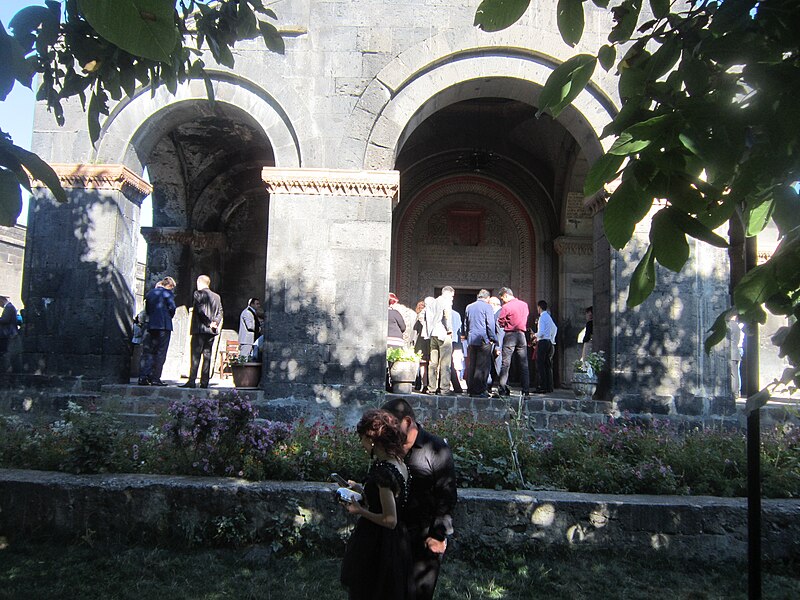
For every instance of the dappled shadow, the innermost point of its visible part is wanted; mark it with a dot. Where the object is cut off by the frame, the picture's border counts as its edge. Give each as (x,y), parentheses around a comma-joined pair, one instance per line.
(78,282)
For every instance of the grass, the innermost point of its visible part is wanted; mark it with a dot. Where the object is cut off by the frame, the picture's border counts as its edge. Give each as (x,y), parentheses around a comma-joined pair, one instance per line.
(70,572)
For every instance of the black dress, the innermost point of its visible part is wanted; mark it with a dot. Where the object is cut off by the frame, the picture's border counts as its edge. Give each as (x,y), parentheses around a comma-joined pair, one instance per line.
(377,562)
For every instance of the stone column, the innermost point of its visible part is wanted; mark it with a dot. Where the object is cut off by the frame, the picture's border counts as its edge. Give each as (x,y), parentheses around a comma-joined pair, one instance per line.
(328,255)
(79,280)
(658,362)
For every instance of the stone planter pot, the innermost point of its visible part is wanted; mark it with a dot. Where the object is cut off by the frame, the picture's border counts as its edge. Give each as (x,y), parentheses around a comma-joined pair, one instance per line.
(246,375)
(402,374)
(584,385)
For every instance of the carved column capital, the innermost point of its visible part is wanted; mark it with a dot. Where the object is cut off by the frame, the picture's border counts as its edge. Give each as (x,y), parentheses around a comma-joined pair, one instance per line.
(101,177)
(332,182)
(581,246)
(200,240)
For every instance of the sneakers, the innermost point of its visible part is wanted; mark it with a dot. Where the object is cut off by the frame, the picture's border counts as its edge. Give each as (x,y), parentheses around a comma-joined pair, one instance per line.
(144,381)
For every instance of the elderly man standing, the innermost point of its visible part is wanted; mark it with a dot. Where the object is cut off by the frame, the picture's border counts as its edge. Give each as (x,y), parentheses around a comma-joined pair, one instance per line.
(481,328)
(441,343)
(206,319)
(249,327)
(159,304)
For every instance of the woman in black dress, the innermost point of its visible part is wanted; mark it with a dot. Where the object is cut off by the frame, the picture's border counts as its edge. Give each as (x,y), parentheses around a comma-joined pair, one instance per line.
(377,563)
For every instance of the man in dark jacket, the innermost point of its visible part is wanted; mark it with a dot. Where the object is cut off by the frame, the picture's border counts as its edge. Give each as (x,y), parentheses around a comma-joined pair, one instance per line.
(431,499)
(8,328)
(206,320)
(481,334)
(159,304)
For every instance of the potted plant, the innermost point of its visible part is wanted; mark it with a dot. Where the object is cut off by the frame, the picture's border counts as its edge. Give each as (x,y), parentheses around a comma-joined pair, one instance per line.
(246,373)
(584,375)
(403,368)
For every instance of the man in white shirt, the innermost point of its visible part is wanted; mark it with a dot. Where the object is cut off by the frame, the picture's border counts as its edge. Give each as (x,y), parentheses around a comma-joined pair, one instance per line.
(441,344)
(545,348)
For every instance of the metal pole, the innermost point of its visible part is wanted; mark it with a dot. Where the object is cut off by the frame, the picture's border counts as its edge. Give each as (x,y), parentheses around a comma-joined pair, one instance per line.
(753,446)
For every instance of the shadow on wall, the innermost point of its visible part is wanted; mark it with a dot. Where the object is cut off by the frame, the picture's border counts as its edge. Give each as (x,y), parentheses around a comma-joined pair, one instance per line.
(80,265)
(323,342)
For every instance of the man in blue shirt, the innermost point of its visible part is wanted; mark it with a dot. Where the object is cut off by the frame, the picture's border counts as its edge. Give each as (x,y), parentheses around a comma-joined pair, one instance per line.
(545,348)
(480,327)
(160,307)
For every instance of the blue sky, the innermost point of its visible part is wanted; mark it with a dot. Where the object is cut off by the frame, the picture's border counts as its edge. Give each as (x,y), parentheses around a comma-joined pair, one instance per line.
(16,113)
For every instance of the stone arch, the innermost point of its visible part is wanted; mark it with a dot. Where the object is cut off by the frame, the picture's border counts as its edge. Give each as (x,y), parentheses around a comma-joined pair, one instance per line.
(495,209)
(414,85)
(134,125)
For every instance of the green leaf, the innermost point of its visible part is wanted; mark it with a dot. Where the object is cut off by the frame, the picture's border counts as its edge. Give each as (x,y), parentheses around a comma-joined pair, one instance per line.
(660,8)
(565,83)
(691,226)
(668,242)
(607,55)
(93,118)
(40,170)
(144,28)
(625,145)
(664,59)
(756,401)
(272,37)
(603,170)
(628,205)
(643,280)
(627,16)
(718,331)
(787,209)
(569,16)
(758,217)
(10,198)
(495,15)
(755,288)
(632,81)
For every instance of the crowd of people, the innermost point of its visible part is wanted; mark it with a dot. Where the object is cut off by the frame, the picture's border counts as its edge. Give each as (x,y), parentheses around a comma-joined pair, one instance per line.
(153,329)
(478,351)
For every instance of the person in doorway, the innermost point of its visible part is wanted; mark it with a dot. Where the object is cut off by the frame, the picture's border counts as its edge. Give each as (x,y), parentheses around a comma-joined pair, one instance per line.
(457,356)
(480,327)
(396,325)
(206,321)
(249,327)
(588,331)
(9,329)
(159,305)
(422,341)
(513,318)
(497,348)
(432,497)
(441,342)
(546,332)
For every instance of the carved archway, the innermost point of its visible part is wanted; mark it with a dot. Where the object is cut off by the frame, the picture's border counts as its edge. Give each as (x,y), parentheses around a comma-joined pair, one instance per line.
(467,231)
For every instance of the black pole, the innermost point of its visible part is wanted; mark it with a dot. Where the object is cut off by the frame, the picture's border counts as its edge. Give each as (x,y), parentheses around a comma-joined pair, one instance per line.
(753,446)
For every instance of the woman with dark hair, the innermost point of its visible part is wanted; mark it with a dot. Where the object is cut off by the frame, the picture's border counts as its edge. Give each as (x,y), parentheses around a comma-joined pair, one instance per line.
(377,563)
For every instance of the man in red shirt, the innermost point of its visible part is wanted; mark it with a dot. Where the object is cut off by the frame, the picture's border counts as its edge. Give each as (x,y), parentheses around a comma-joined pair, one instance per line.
(513,319)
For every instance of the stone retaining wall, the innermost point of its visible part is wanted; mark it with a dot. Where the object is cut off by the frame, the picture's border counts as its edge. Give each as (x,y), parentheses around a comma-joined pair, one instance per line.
(192,510)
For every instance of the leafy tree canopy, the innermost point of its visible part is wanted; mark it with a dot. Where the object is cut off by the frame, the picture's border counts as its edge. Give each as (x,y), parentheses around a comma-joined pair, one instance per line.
(709,123)
(99,51)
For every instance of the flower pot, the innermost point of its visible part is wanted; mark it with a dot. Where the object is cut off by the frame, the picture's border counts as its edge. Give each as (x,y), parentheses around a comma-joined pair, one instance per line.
(246,375)
(402,374)
(584,385)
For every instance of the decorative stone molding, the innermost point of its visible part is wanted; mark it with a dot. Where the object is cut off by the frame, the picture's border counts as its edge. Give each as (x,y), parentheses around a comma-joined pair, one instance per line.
(101,177)
(332,182)
(581,246)
(200,240)
(596,202)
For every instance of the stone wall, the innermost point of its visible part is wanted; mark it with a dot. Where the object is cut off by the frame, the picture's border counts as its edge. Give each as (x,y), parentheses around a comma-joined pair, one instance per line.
(12,253)
(182,510)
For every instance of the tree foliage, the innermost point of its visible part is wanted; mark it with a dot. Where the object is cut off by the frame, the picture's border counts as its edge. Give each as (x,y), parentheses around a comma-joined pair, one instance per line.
(101,51)
(709,123)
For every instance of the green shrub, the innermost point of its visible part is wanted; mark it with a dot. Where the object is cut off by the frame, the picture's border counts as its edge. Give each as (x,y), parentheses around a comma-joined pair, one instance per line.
(222,437)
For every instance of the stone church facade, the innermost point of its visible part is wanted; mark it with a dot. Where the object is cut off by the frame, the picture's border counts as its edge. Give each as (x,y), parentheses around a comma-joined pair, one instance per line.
(393,147)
